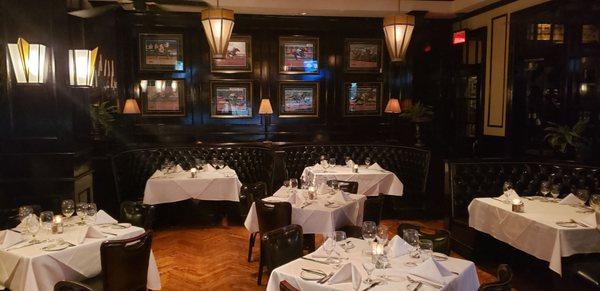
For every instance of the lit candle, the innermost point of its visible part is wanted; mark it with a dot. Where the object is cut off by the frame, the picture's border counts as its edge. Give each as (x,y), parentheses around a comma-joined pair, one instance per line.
(518,206)
(193,171)
(311,192)
(355,168)
(516,201)
(57,225)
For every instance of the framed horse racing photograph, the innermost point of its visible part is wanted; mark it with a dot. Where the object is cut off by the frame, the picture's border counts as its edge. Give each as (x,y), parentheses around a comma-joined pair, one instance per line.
(163,97)
(231,99)
(161,52)
(363,55)
(362,98)
(238,58)
(298,55)
(298,99)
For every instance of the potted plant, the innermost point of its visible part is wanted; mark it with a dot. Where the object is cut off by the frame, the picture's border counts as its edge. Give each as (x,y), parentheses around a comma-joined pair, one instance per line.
(568,141)
(417,114)
(103,119)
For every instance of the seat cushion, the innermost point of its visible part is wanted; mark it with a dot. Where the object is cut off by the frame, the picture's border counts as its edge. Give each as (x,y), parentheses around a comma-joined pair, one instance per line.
(95,283)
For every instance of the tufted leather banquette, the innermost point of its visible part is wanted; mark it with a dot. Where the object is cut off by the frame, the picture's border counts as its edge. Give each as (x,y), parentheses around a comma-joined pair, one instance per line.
(133,167)
(469,179)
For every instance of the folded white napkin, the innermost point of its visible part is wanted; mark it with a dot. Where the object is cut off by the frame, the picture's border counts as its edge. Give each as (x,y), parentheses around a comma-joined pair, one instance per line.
(103,218)
(208,168)
(589,220)
(157,173)
(509,195)
(347,273)
(9,238)
(320,252)
(350,163)
(324,189)
(23,224)
(571,199)
(81,234)
(340,197)
(179,169)
(375,166)
(318,167)
(296,199)
(399,247)
(432,271)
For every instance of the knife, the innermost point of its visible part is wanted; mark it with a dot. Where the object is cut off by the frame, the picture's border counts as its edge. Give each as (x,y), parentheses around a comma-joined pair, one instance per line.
(579,223)
(326,278)
(316,261)
(372,285)
(316,272)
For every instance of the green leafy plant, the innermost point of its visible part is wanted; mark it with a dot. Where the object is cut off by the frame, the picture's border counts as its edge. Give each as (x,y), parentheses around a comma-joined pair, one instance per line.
(103,116)
(417,113)
(563,137)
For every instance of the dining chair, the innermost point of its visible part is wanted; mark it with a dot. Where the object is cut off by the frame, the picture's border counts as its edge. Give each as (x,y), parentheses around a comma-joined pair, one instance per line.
(282,245)
(346,186)
(587,275)
(124,266)
(505,275)
(271,216)
(249,194)
(372,212)
(286,286)
(137,213)
(440,239)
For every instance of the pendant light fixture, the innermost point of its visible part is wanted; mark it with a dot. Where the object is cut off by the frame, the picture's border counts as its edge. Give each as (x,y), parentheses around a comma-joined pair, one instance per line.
(218,25)
(398,31)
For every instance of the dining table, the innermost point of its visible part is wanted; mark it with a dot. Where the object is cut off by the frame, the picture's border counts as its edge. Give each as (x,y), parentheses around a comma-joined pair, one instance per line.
(372,180)
(399,274)
(323,214)
(208,184)
(72,255)
(546,229)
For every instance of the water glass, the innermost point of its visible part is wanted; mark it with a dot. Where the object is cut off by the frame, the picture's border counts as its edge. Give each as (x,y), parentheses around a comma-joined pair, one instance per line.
(332,162)
(33,226)
(583,194)
(46,218)
(507,186)
(545,188)
(221,164)
(25,211)
(595,202)
(411,236)
(81,209)
(367,161)
(369,267)
(199,163)
(329,246)
(369,231)
(382,234)
(555,190)
(294,183)
(67,207)
(322,159)
(425,248)
(91,212)
(214,162)
(346,159)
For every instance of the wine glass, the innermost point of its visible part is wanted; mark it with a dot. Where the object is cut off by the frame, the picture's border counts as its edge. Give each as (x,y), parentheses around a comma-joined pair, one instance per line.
(595,202)
(81,209)
(411,236)
(583,194)
(325,165)
(221,164)
(545,188)
(507,186)
(367,161)
(329,246)
(33,227)
(25,211)
(346,160)
(91,211)
(214,162)
(369,230)
(555,190)
(382,234)
(68,207)
(332,162)
(425,248)
(323,158)
(293,185)
(369,267)
(46,218)
(198,163)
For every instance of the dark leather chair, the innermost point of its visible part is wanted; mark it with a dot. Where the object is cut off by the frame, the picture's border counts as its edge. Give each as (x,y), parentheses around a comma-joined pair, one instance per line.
(286,286)
(271,216)
(346,186)
(440,239)
(124,266)
(372,212)
(505,275)
(9,218)
(137,213)
(248,195)
(282,245)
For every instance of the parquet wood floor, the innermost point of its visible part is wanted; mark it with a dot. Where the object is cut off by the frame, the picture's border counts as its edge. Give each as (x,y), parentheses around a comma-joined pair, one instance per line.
(214,258)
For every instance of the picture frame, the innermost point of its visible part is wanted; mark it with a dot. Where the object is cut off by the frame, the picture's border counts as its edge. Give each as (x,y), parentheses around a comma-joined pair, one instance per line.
(362,98)
(238,58)
(298,55)
(298,99)
(163,97)
(161,52)
(363,55)
(231,99)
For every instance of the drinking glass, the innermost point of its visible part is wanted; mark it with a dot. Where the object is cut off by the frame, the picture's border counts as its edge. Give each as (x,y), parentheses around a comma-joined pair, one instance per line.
(339,236)
(68,207)
(25,211)
(221,164)
(369,267)
(293,185)
(545,188)
(332,162)
(346,160)
(46,218)
(33,227)
(323,158)
(367,161)
(555,190)
(382,234)
(595,202)
(507,186)
(583,194)
(214,162)
(325,165)
(81,209)
(369,230)
(411,236)
(329,246)
(198,163)
(425,248)
(91,211)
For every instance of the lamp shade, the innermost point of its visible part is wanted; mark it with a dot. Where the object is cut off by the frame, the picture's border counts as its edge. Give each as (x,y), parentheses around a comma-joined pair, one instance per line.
(393,106)
(265,107)
(82,64)
(28,61)
(218,24)
(131,107)
(398,31)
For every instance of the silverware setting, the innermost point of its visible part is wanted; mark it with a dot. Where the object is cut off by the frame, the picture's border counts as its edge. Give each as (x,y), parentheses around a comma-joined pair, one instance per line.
(371,286)
(26,245)
(109,233)
(316,272)
(315,260)
(326,278)
(436,286)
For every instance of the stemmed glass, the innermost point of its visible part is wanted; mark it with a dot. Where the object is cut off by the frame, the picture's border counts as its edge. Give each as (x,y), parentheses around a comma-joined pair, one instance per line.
(25,211)
(33,227)
(68,207)
(293,184)
(545,188)
(325,165)
(555,190)
(346,160)
(81,209)
(221,164)
(382,234)
(199,163)
(214,162)
(369,231)
(411,236)
(507,186)
(583,194)
(367,161)
(425,249)
(369,267)
(595,202)
(329,246)
(332,163)
(91,211)
(46,218)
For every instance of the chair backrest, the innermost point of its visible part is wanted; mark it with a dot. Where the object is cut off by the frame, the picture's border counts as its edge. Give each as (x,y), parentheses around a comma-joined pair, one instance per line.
(286,286)
(137,213)
(125,262)
(505,275)
(282,245)
(346,186)
(440,239)
(273,215)
(70,286)
(250,193)
(373,209)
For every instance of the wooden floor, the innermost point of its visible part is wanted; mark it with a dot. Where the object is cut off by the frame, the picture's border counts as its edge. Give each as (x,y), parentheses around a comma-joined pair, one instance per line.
(214,258)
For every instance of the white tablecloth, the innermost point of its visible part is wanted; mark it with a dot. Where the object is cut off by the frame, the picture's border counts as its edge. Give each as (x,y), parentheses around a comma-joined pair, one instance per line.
(370,182)
(316,217)
(213,185)
(466,280)
(535,231)
(33,269)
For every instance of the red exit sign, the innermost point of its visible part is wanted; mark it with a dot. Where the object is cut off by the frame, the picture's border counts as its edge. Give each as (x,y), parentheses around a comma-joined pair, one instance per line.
(459,37)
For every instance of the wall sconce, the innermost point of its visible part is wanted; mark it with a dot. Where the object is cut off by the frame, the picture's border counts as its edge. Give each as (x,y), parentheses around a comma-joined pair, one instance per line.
(131,107)
(82,67)
(28,61)
(144,85)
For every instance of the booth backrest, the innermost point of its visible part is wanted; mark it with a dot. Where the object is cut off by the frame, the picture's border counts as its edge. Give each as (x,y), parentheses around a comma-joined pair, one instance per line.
(133,168)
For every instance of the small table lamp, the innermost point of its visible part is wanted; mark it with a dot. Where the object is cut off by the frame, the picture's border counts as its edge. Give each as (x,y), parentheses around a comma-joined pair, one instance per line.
(393,106)
(131,107)
(265,110)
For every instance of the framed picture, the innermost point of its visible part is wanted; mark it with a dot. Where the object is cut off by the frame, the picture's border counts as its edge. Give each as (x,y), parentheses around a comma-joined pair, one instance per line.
(362,99)
(163,97)
(231,99)
(161,52)
(298,55)
(363,55)
(238,58)
(298,99)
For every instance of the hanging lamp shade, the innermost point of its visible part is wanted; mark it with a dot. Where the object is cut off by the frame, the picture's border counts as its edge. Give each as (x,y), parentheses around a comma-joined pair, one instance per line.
(398,31)
(131,107)
(218,24)
(393,106)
